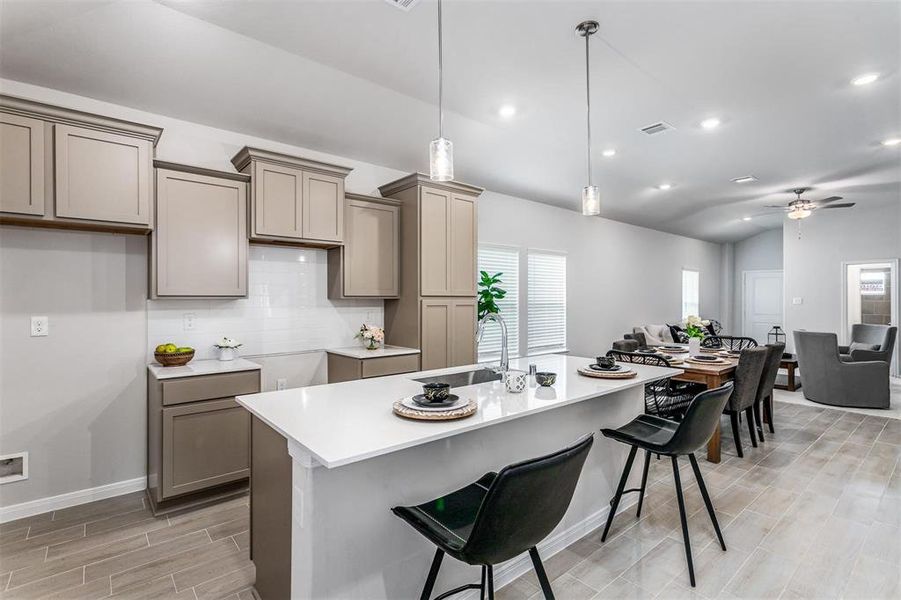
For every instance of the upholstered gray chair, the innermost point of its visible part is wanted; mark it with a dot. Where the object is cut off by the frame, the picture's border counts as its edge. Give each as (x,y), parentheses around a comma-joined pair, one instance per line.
(829,380)
(744,395)
(870,342)
(625,345)
(767,383)
(638,337)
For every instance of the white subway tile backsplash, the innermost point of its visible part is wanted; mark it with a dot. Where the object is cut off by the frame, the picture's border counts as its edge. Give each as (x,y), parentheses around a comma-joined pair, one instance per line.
(287,310)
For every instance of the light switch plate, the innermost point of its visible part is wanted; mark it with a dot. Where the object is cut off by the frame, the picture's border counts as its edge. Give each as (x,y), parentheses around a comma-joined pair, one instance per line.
(40,326)
(281,383)
(797,300)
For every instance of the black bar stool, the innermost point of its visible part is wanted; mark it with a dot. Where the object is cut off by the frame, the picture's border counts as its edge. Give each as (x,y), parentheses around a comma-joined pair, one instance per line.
(656,435)
(500,516)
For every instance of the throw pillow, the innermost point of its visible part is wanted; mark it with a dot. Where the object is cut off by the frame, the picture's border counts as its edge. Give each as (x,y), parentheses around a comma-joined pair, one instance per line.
(678,334)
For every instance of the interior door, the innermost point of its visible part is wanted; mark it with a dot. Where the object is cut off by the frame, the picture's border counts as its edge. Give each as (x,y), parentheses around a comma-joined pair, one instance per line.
(761,303)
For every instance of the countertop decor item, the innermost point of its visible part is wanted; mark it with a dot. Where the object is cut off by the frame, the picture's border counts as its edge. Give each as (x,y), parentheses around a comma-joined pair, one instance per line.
(436,391)
(371,336)
(423,414)
(228,348)
(515,380)
(626,373)
(174,359)
(545,378)
(489,293)
(450,402)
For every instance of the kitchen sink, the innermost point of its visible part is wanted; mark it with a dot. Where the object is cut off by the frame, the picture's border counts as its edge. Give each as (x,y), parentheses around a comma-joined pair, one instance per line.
(465,378)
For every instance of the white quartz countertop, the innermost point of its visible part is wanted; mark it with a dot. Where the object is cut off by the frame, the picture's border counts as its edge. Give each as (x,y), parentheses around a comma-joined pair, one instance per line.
(362,353)
(342,423)
(202,367)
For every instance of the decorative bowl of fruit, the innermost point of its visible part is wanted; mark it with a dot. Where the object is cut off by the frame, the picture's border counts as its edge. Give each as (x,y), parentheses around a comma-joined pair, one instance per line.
(170,355)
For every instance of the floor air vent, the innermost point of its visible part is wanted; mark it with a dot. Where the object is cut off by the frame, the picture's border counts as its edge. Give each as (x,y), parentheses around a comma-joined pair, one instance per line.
(656,128)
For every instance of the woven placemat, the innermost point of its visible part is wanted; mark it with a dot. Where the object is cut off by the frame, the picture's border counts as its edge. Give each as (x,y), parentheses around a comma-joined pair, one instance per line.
(719,361)
(434,415)
(589,372)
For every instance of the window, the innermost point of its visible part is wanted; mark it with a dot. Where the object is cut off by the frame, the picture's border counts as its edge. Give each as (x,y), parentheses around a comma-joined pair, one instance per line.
(691,293)
(547,302)
(499,259)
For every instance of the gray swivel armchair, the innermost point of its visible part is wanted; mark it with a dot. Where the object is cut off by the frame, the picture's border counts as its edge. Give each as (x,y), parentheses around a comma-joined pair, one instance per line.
(829,380)
(870,342)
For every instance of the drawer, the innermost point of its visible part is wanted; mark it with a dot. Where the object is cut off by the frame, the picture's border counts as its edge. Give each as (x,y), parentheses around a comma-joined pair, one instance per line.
(390,365)
(208,387)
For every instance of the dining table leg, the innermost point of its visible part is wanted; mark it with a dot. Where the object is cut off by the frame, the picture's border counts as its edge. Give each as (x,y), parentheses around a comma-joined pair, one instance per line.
(713,446)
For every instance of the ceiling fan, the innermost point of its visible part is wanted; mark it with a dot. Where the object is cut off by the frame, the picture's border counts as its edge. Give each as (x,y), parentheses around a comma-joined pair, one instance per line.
(801,209)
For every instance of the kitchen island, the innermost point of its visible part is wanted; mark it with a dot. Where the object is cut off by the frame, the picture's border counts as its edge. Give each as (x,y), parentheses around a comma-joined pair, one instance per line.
(330,461)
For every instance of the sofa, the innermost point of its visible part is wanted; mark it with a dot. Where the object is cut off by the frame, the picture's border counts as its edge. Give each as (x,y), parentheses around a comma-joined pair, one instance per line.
(870,342)
(830,380)
(654,335)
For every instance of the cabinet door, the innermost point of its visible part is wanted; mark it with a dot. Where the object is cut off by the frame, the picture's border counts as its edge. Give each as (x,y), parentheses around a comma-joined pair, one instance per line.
(463,332)
(372,249)
(277,201)
(462,246)
(436,322)
(204,444)
(21,165)
(102,176)
(323,207)
(434,240)
(201,235)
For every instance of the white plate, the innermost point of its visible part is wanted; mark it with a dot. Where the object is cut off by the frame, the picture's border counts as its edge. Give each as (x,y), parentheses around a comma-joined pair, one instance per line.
(409,403)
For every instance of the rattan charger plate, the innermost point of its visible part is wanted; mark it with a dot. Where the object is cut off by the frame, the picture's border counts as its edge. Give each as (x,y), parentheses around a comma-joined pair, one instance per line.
(435,415)
(719,361)
(589,372)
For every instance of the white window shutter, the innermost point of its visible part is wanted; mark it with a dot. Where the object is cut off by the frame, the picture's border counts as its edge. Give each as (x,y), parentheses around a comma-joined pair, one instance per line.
(547,302)
(499,259)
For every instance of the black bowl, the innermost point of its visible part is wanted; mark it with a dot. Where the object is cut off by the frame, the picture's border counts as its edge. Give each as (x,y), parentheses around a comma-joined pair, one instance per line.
(546,378)
(436,391)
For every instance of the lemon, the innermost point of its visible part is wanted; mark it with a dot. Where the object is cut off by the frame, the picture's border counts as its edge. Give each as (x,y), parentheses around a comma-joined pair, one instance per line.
(185,349)
(170,348)
(161,348)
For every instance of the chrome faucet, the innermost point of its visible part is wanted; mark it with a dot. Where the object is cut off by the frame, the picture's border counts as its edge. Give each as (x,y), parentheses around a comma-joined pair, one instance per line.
(505,362)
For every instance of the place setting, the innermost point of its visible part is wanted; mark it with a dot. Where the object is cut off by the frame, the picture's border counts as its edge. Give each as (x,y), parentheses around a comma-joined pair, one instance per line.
(605,367)
(435,403)
(707,359)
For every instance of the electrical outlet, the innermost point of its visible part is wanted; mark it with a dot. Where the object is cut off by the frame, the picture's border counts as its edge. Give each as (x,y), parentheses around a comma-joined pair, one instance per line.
(188,321)
(40,326)
(797,300)
(281,384)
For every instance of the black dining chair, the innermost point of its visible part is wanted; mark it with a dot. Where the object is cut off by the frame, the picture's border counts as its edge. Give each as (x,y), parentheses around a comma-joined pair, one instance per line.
(728,342)
(500,516)
(764,400)
(656,435)
(748,374)
(664,397)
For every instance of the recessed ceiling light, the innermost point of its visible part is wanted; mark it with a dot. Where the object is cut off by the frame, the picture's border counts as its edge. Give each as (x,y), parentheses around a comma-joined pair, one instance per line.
(664,186)
(744,179)
(892,142)
(746,218)
(865,79)
(711,123)
(507,111)
(609,152)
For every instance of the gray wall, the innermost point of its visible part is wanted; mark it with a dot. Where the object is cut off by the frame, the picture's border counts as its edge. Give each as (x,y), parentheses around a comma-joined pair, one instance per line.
(618,275)
(756,253)
(813,264)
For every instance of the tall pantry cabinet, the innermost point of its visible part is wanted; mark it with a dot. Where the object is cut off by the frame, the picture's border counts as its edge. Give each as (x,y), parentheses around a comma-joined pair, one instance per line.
(436,309)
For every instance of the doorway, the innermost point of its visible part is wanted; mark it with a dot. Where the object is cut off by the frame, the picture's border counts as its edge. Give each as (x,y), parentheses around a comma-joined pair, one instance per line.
(761,303)
(870,295)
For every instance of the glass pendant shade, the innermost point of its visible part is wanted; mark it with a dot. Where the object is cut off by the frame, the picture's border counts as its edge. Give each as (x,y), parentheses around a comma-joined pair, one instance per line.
(798,213)
(591,201)
(441,160)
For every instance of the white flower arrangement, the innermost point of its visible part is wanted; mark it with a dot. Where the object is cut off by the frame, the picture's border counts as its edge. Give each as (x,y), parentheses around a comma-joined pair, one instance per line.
(696,321)
(228,342)
(371,335)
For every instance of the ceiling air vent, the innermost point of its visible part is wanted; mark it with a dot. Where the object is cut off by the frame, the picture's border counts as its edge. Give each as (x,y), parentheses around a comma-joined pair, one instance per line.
(404,5)
(656,128)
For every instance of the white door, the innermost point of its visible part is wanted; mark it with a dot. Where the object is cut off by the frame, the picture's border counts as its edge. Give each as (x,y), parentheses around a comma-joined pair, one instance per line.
(761,303)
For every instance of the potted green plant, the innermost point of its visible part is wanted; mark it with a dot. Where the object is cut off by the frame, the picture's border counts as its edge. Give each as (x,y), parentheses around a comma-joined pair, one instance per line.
(489,293)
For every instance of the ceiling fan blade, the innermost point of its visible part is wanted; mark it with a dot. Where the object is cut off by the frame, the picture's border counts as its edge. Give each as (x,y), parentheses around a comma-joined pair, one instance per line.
(828,200)
(842,205)
(779,206)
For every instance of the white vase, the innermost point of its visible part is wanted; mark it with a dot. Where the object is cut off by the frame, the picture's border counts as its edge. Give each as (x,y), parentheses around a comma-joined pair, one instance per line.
(694,346)
(228,353)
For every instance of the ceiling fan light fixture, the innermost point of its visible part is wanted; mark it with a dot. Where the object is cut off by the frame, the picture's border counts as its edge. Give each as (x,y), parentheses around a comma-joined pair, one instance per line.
(796,214)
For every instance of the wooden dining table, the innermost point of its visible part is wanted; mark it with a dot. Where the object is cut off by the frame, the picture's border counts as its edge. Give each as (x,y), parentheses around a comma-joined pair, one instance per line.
(712,376)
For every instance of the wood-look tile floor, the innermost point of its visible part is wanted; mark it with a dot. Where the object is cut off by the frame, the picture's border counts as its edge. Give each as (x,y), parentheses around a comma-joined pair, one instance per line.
(813,512)
(116,548)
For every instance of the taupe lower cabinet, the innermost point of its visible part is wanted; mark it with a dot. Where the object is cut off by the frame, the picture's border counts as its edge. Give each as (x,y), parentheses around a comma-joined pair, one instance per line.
(368,264)
(68,169)
(198,436)
(436,308)
(293,200)
(199,246)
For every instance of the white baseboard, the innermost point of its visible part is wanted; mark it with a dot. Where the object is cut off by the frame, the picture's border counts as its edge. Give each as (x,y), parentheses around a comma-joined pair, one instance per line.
(42,505)
(509,571)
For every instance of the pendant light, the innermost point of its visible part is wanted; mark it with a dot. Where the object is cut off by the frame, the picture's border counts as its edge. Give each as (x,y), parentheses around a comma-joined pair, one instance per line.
(591,196)
(441,150)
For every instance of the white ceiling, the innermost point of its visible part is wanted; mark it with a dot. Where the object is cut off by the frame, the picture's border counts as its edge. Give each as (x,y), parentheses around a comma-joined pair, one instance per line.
(358,78)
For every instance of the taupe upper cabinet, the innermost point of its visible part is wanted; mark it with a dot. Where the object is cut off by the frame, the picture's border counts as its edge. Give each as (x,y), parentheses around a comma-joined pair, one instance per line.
(292,199)
(68,169)
(368,264)
(200,243)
